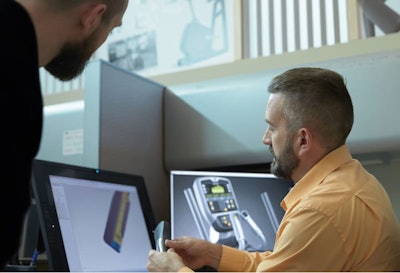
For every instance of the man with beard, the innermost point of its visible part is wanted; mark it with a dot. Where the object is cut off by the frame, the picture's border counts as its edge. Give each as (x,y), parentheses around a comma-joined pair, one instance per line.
(337,216)
(60,35)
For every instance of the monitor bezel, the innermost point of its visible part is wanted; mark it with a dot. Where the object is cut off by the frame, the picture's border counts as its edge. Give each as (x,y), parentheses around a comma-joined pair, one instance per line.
(47,214)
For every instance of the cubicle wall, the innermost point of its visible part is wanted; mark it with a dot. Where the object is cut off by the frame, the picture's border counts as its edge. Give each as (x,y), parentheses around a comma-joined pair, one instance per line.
(62,137)
(124,128)
(118,127)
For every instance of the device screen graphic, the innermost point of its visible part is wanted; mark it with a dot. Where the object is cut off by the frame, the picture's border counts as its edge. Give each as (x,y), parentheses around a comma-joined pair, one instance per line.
(215,208)
(218,201)
(116,221)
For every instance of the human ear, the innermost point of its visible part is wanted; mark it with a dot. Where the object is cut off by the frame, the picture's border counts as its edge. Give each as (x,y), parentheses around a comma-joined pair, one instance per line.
(91,17)
(304,140)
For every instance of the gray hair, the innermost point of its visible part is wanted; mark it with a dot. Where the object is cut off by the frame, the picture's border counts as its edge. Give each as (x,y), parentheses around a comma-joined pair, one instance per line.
(316,98)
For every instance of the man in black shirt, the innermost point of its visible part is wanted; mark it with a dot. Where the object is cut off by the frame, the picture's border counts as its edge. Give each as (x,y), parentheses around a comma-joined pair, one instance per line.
(61,36)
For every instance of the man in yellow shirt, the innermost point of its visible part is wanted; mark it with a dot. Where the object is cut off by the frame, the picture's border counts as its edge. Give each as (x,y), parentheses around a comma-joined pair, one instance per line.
(338,217)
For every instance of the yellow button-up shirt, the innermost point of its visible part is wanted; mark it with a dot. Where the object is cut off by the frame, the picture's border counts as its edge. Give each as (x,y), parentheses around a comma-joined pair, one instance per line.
(338,217)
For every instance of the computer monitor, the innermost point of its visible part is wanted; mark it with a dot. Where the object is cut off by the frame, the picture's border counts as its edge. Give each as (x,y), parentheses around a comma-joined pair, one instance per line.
(237,209)
(91,219)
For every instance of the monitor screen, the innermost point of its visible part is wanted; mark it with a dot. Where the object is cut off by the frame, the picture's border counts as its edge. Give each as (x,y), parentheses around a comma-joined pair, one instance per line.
(91,219)
(241,210)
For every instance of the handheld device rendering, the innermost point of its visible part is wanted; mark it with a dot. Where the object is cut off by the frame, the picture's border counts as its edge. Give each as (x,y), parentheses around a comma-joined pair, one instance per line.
(161,233)
(116,221)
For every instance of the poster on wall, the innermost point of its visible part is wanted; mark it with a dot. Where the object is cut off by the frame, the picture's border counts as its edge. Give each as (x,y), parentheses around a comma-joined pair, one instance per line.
(162,36)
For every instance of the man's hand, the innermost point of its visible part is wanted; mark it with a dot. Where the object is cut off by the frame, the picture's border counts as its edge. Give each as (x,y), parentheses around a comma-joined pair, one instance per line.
(196,253)
(164,261)
(185,252)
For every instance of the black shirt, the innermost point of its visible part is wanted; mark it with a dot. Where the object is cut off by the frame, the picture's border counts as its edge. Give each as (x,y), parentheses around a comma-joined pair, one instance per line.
(21,120)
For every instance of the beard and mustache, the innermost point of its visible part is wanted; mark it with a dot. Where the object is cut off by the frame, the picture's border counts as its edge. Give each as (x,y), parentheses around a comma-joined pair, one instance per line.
(72,59)
(284,164)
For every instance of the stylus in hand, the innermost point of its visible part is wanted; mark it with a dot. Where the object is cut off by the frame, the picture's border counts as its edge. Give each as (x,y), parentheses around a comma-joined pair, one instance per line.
(161,233)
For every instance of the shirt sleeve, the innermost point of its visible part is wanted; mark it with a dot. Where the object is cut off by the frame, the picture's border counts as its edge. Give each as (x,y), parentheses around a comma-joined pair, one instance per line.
(233,259)
(306,241)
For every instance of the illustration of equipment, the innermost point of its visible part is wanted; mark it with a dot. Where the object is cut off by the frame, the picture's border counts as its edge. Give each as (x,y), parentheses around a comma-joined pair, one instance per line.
(270,211)
(215,210)
(199,41)
(116,221)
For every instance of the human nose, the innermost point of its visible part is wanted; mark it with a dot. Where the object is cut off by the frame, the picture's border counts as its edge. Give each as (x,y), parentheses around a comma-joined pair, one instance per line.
(266,139)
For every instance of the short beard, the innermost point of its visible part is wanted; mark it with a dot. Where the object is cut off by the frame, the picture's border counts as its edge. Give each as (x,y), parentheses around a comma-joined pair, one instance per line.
(284,165)
(71,60)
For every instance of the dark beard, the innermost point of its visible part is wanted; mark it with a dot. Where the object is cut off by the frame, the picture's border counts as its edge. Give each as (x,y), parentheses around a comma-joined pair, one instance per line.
(71,60)
(285,164)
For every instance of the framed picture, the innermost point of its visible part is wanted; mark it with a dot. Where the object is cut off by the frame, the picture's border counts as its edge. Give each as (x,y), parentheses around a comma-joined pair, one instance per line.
(163,36)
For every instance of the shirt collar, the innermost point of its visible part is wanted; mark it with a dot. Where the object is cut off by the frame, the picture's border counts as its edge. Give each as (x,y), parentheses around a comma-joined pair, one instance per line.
(316,175)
